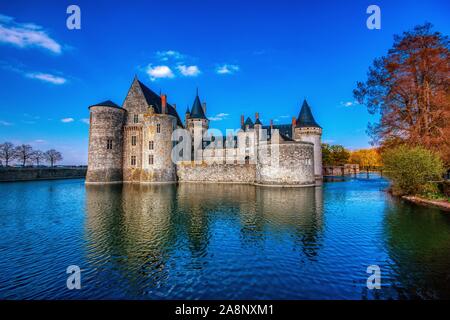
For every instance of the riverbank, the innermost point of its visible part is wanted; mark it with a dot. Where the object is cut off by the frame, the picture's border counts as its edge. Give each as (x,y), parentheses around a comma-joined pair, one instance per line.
(12,174)
(440,204)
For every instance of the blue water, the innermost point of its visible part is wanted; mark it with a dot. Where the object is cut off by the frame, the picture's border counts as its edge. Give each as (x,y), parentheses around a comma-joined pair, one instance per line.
(206,241)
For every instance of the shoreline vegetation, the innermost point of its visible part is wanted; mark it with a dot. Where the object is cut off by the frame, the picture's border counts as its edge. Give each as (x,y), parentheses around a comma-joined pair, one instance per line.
(435,203)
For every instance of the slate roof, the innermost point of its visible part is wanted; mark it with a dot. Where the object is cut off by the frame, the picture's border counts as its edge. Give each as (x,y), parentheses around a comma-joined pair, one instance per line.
(107,103)
(283,129)
(248,122)
(305,117)
(155,100)
(197,111)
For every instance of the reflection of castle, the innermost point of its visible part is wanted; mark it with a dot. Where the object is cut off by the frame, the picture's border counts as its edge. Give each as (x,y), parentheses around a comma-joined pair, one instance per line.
(151,228)
(133,143)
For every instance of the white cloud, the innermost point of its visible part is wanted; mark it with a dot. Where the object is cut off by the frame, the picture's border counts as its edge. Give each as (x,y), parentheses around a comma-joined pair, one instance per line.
(25,35)
(158,72)
(47,77)
(85,120)
(188,71)
(349,103)
(5,123)
(227,69)
(67,120)
(219,117)
(169,54)
(40,141)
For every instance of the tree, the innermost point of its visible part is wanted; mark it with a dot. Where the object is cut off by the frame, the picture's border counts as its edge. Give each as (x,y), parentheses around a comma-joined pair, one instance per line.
(334,155)
(53,156)
(410,88)
(23,153)
(412,169)
(38,156)
(366,158)
(7,152)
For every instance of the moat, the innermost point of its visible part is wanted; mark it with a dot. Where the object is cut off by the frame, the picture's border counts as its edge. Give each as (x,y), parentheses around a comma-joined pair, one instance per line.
(209,241)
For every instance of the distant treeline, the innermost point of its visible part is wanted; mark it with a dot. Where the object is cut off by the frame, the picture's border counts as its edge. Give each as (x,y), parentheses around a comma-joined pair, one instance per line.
(25,155)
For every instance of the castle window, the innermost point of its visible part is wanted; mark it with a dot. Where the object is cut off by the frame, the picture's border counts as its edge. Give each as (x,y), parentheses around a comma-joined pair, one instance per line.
(133,160)
(247,141)
(150,145)
(136,118)
(109,144)
(150,159)
(133,140)
(158,128)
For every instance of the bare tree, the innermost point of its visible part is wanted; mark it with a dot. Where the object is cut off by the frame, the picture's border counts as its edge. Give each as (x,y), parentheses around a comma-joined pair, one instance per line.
(38,156)
(23,153)
(7,152)
(53,156)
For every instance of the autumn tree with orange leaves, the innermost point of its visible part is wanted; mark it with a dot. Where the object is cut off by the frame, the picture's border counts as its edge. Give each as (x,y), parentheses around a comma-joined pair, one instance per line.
(409,88)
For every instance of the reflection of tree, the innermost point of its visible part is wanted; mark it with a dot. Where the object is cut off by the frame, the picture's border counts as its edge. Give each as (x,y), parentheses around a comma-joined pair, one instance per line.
(418,241)
(129,231)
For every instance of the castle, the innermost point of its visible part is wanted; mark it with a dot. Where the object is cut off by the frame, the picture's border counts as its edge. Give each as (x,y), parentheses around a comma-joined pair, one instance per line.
(134,143)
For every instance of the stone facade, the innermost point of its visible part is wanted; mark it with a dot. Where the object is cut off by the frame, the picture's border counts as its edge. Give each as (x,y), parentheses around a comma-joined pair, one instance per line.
(105,144)
(133,143)
(225,173)
(295,165)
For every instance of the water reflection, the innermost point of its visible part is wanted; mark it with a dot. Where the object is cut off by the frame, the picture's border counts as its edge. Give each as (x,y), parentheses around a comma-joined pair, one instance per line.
(418,242)
(143,236)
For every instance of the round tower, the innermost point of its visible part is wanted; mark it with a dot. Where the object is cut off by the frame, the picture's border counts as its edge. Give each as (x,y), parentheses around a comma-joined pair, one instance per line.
(105,153)
(306,129)
(285,163)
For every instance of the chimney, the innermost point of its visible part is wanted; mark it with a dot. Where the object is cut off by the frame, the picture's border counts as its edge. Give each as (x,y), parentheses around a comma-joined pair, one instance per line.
(175,106)
(271,124)
(294,121)
(163,104)
(242,120)
(204,107)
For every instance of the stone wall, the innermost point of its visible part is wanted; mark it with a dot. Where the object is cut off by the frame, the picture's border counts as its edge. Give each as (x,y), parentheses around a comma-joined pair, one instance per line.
(106,124)
(26,174)
(162,168)
(219,173)
(344,170)
(295,166)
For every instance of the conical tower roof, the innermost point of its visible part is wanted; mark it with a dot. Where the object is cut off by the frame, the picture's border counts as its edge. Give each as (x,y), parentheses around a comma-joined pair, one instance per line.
(305,117)
(197,111)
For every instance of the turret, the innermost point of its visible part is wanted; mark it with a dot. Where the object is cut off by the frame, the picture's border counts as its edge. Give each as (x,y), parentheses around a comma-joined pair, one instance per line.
(197,116)
(105,155)
(307,129)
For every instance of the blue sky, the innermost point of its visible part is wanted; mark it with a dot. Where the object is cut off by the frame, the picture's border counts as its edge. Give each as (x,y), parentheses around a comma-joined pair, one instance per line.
(244,56)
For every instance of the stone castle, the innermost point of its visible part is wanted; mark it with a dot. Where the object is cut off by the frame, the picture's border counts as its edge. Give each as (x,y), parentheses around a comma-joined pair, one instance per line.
(133,143)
